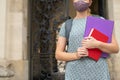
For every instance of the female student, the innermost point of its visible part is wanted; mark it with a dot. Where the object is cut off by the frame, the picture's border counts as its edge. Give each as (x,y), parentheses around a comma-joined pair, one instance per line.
(78,65)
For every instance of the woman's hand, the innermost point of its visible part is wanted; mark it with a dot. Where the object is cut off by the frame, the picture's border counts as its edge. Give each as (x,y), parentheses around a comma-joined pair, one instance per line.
(81,52)
(90,42)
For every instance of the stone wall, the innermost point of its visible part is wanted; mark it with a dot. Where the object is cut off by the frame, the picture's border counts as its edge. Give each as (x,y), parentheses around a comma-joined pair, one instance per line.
(114,14)
(15,30)
(2,27)
(14,39)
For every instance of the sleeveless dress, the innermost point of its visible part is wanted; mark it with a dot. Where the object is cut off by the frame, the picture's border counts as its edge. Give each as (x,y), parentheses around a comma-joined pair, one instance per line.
(84,68)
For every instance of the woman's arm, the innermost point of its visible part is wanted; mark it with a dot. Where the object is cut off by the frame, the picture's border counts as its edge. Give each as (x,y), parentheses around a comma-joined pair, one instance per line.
(64,56)
(109,47)
(105,47)
(60,51)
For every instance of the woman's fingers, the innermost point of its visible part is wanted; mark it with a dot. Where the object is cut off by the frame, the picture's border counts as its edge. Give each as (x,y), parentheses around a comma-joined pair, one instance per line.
(82,52)
(89,42)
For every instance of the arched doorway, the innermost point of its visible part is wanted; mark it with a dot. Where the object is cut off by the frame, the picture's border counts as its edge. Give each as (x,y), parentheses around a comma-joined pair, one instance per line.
(44,18)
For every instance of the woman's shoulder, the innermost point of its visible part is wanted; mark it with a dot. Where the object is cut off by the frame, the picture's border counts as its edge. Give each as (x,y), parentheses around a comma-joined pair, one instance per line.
(96,15)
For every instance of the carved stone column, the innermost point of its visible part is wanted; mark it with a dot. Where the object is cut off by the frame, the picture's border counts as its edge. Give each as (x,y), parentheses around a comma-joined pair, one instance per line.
(14,66)
(5,65)
(114,14)
(6,69)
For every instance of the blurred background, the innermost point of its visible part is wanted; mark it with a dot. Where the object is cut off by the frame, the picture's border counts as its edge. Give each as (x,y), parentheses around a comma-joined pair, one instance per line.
(28,36)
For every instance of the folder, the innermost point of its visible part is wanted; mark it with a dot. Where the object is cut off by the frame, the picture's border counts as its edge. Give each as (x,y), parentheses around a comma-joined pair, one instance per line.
(95,54)
(102,25)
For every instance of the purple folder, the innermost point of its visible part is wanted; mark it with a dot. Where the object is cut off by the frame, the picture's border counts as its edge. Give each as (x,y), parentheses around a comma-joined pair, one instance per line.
(103,25)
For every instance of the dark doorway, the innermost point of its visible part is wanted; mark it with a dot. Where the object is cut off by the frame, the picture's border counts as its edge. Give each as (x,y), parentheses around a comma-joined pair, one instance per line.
(99,7)
(44,17)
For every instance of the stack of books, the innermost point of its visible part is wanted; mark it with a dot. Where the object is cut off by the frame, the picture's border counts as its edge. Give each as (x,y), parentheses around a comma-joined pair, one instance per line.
(101,29)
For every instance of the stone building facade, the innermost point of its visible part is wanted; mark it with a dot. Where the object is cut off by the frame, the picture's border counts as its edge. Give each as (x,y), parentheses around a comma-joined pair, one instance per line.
(13,41)
(14,63)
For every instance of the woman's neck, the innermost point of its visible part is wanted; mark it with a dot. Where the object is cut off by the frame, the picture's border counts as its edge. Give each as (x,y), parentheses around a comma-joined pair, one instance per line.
(82,14)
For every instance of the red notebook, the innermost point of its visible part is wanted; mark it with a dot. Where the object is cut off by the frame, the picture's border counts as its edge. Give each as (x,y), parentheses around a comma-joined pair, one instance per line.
(95,54)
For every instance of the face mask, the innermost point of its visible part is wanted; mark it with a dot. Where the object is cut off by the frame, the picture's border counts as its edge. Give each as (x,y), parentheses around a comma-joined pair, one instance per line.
(81,5)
